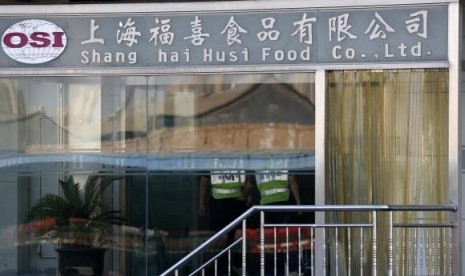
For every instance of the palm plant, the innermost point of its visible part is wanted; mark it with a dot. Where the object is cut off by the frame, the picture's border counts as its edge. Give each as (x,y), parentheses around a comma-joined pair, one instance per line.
(77,217)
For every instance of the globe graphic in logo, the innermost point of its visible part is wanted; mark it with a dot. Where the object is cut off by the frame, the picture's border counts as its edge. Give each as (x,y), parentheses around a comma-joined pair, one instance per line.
(34,41)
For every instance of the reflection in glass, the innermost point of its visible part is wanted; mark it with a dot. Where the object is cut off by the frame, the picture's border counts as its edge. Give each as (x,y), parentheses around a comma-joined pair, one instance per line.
(230,113)
(161,133)
(250,114)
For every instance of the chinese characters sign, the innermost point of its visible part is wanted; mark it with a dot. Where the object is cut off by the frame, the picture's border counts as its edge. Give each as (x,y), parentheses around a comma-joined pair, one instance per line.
(229,39)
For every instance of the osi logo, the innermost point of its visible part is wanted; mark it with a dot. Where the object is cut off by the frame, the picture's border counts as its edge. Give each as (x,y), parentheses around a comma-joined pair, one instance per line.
(34,41)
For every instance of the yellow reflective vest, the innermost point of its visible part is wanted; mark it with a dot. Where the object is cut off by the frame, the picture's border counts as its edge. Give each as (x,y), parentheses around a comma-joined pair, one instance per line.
(273,186)
(227,184)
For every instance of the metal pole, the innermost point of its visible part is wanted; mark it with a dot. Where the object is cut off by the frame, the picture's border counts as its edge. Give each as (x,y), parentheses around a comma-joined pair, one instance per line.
(244,248)
(391,254)
(374,243)
(262,244)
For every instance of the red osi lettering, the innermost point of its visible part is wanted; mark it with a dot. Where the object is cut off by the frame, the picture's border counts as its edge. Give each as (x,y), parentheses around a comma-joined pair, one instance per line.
(36,39)
(40,40)
(58,39)
(8,40)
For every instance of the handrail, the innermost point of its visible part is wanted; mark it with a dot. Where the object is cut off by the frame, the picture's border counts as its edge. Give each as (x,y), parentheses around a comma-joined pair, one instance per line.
(304,208)
(444,207)
(211,240)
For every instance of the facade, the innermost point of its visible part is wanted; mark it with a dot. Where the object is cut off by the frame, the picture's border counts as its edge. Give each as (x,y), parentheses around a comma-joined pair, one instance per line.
(361,103)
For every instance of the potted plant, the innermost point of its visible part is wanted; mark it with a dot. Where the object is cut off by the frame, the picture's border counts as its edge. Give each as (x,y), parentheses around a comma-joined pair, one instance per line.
(78,221)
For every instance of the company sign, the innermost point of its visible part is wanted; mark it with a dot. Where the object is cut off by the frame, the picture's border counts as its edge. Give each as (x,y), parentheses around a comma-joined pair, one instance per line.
(34,41)
(249,38)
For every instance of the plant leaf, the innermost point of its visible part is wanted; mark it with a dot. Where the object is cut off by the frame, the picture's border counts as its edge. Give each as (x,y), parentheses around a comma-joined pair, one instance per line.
(71,193)
(50,205)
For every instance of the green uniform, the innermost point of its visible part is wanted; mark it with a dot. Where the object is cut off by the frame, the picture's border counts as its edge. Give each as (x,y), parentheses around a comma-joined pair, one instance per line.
(227,184)
(273,186)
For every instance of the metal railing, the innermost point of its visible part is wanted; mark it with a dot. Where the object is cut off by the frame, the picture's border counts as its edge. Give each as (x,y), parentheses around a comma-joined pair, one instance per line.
(345,240)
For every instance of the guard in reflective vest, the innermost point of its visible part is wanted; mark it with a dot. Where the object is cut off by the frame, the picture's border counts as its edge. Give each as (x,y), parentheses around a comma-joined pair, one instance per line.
(275,188)
(226,203)
(227,184)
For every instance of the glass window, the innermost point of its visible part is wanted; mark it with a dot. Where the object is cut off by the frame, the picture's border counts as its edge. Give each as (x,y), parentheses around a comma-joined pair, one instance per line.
(245,114)
(159,135)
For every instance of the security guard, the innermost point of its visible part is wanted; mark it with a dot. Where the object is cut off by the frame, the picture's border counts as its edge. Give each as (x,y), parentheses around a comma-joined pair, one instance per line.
(275,188)
(226,203)
(227,198)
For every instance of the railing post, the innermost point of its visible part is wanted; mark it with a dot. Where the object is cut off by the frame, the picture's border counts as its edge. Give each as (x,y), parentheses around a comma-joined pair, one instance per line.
(374,244)
(287,251)
(391,247)
(336,251)
(454,218)
(262,243)
(244,247)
